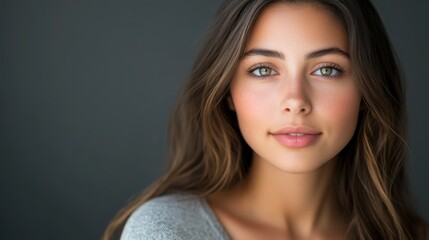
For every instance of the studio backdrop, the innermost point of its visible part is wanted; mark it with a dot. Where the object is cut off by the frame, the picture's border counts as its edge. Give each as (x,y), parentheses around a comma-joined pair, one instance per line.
(86,90)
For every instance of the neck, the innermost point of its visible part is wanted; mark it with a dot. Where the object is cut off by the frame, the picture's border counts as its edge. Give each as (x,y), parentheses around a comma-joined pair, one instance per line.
(298,203)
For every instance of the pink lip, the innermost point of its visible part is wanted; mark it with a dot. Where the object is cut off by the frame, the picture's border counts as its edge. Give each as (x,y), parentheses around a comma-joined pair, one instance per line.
(304,136)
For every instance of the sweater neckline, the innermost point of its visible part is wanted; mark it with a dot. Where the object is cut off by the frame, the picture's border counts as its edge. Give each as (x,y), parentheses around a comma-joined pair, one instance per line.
(212,219)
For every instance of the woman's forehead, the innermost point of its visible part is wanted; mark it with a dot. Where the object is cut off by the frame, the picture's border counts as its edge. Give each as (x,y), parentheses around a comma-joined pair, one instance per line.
(285,25)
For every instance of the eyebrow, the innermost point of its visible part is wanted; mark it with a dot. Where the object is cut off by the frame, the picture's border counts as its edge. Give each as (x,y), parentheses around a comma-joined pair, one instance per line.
(277,54)
(325,51)
(263,52)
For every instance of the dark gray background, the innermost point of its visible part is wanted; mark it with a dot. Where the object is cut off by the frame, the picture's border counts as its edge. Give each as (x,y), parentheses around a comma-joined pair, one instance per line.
(86,90)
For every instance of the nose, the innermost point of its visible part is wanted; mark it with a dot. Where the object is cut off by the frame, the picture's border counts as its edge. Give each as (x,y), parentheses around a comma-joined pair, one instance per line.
(296,98)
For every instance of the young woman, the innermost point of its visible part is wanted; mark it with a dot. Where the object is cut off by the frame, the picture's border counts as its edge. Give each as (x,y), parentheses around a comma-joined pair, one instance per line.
(292,126)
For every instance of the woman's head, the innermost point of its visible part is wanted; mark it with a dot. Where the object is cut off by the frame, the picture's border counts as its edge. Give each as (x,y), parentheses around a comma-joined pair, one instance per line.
(204,116)
(294,92)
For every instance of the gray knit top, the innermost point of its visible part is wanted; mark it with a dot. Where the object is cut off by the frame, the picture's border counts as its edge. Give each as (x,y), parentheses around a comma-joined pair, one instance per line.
(174,216)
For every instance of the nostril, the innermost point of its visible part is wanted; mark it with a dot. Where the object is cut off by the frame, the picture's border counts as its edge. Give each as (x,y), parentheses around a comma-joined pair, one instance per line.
(296,110)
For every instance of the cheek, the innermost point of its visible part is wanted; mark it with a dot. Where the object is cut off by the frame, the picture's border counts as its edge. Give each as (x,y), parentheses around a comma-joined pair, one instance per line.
(252,108)
(341,110)
(252,105)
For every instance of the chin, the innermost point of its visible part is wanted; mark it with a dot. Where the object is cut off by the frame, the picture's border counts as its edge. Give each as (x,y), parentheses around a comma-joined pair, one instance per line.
(296,165)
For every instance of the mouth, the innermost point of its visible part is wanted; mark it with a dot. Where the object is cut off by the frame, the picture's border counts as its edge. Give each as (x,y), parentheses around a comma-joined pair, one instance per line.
(297,137)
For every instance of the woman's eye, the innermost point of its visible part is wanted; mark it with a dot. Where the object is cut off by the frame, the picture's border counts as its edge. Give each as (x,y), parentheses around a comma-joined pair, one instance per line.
(263,72)
(328,71)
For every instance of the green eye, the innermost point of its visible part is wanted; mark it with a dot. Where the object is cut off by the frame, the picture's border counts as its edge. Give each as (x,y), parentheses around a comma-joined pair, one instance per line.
(328,71)
(262,71)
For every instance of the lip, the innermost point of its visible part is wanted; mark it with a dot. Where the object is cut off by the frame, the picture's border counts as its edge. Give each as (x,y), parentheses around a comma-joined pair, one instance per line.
(297,137)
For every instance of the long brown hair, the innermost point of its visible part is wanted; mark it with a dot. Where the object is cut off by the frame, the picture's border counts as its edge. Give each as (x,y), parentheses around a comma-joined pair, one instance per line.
(208,153)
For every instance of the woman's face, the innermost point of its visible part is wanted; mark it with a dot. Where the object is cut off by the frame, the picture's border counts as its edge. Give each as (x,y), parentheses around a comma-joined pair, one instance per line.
(294,94)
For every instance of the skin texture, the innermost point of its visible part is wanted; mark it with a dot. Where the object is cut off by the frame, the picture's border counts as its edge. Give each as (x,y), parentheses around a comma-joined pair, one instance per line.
(289,192)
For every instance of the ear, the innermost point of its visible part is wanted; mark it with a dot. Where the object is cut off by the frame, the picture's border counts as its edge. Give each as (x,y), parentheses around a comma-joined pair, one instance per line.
(230,103)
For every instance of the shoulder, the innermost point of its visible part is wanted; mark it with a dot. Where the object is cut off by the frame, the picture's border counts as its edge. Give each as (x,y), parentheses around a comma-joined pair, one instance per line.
(174,216)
